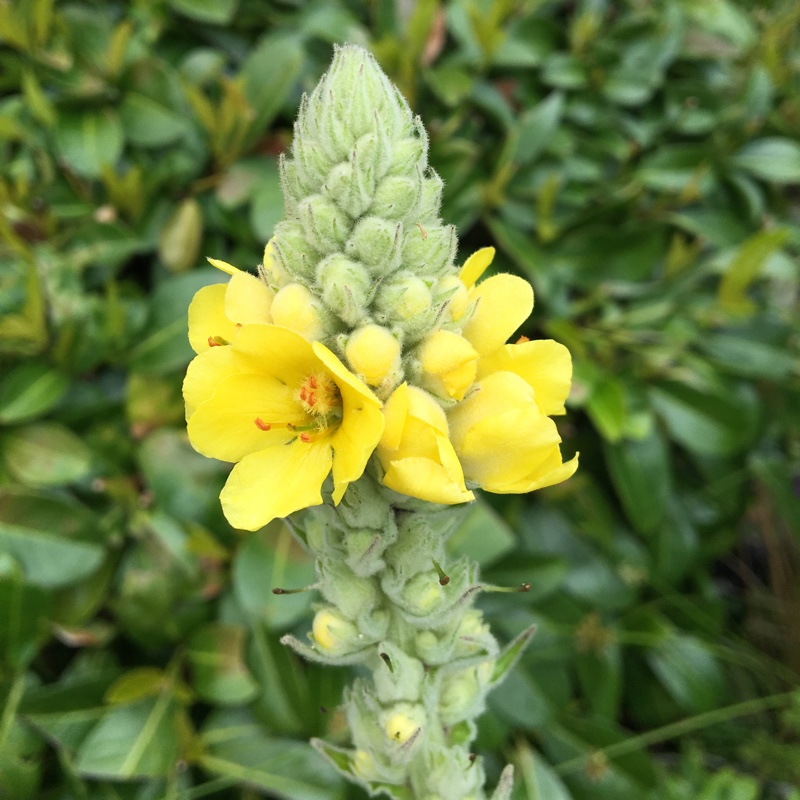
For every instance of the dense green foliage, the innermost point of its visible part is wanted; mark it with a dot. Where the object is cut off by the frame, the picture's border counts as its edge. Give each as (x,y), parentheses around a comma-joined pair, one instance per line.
(638,161)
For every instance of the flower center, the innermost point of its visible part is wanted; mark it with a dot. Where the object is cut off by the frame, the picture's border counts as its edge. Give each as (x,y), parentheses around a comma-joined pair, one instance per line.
(321,401)
(320,396)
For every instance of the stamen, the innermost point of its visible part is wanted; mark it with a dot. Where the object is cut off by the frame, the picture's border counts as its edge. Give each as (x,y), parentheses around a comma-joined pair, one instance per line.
(217,341)
(312,381)
(261,425)
(522,340)
(312,398)
(304,437)
(303,393)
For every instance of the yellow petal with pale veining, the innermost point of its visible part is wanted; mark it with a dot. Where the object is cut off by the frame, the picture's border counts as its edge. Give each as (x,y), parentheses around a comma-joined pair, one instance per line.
(275,482)
(503,303)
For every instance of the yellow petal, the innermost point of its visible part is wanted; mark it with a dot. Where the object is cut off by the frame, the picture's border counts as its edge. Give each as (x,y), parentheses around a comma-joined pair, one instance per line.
(544,364)
(205,373)
(504,302)
(275,351)
(207,317)
(449,364)
(248,299)
(476,265)
(224,426)
(275,482)
(361,427)
(546,475)
(423,407)
(223,265)
(395,413)
(424,479)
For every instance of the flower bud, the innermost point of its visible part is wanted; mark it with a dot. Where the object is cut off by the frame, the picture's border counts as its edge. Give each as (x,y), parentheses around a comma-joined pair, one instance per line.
(293,252)
(295,307)
(406,301)
(373,353)
(343,185)
(345,287)
(396,197)
(429,252)
(449,364)
(423,594)
(462,694)
(430,197)
(451,290)
(402,721)
(325,225)
(408,154)
(376,243)
(364,765)
(333,634)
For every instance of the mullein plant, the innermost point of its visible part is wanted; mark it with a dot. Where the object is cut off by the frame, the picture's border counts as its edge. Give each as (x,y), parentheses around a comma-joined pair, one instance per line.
(363,386)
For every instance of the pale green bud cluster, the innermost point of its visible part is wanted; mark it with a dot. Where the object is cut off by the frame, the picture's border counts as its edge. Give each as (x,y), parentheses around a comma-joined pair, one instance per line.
(431,657)
(363,233)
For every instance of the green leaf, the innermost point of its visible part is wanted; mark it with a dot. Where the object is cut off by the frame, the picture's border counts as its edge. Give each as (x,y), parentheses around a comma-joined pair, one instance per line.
(44,534)
(140,740)
(483,535)
(20,762)
(744,268)
(148,123)
(689,672)
(45,454)
(219,675)
(236,747)
(739,354)
(89,141)
(265,87)
(772,159)
(212,12)
(714,421)
(30,390)
(537,126)
(600,673)
(266,210)
(607,408)
(180,238)
(539,779)
(271,559)
(640,471)
(24,625)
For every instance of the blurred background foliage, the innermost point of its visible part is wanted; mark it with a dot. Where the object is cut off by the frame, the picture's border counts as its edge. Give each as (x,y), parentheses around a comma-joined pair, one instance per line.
(638,161)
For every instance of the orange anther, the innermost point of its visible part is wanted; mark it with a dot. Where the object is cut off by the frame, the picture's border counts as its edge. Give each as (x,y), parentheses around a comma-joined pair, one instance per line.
(264,426)
(311,399)
(304,437)
(312,382)
(303,393)
(522,340)
(212,343)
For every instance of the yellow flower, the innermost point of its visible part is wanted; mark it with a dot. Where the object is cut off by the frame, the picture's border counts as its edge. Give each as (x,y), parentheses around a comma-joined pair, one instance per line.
(216,312)
(505,442)
(415,451)
(288,411)
(501,431)
(449,364)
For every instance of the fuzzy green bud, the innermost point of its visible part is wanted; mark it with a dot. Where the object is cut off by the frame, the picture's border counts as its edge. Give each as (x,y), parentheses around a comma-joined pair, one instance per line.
(406,301)
(346,287)
(377,244)
(396,197)
(325,225)
(409,154)
(430,197)
(429,252)
(293,252)
(333,634)
(403,721)
(462,694)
